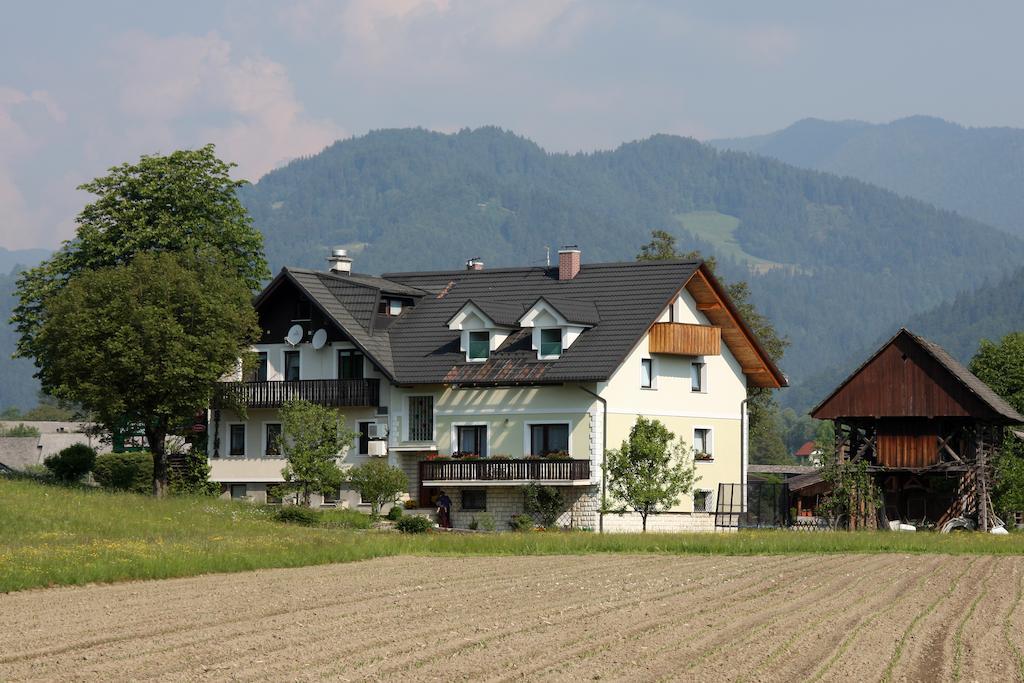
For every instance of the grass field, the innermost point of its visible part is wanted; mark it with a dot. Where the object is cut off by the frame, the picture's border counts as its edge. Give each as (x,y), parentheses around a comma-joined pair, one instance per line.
(53,536)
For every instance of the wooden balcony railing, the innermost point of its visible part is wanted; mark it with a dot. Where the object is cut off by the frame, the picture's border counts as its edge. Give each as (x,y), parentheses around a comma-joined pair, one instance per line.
(325,392)
(488,469)
(684,339)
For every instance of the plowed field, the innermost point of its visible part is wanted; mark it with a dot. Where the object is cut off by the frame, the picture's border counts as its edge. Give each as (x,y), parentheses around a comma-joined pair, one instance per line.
(611,617)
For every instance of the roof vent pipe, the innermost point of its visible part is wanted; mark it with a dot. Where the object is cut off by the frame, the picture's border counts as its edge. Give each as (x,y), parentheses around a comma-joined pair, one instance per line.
(340,261)
(475,263)
(568,262)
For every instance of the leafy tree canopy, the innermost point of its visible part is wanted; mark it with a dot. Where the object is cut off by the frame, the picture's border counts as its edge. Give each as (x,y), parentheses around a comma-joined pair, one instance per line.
(146,340)
(377,482)
(312,439)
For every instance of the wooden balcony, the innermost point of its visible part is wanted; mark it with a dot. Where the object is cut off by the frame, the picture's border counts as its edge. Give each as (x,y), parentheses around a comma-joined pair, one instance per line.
(502,471)
(684,339)
(325,392)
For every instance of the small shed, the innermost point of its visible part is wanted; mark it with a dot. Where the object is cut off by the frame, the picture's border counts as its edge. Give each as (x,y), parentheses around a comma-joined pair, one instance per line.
(927,427)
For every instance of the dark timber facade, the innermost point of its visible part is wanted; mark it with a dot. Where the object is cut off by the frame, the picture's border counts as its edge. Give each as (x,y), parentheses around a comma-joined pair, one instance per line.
(928,428)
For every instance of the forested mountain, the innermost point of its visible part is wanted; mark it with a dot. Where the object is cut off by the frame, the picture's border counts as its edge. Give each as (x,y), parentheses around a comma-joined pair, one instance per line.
(978,172)
(990,312)
(833,261)
(20,257)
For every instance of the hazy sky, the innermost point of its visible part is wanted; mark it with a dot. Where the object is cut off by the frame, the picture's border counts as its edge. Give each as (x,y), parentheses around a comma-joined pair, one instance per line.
(85,85)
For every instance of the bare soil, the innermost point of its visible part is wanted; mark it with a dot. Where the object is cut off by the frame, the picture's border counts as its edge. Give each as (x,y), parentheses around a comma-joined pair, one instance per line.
(597,617)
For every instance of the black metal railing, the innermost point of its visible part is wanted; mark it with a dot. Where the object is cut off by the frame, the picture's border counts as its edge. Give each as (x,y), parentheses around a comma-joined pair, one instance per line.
(488,469)
(325,392)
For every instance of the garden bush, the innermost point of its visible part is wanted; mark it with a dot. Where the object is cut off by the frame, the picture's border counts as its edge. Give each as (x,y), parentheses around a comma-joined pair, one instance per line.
(71,463)
(413,524)
(297,514)
(194,478)
(521,523)
(395,513)
(484,522)
(125,471)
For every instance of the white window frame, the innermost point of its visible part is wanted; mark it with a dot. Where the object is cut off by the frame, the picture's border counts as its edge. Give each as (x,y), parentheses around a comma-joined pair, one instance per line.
(263,438)
(709,441)
(245,440)
(540,343)
(653,386)
(703,375)
(469,341)
(527,442)
(455,434)
(709,500)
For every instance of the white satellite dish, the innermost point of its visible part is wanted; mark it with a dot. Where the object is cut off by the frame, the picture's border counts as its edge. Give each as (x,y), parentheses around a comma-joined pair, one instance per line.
(320,338)
(294,335)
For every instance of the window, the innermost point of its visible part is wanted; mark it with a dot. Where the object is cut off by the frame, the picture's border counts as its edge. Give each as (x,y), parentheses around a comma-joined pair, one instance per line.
(273,436)
(472,439)
(237,440)
(303,309)
(421,418)
(702,443)
(390,307)
(395,307)
(259,372)
(350,364)
(479,345)
(291,366)
(551,342)
(364,438)
(474,499)
(697,376)
(550,438)
(238,492)
(646,373)
(331,498)
(702,501)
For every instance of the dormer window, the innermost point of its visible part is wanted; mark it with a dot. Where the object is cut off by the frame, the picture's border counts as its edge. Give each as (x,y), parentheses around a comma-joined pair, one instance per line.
(479,346)
(550,342)
(390,307)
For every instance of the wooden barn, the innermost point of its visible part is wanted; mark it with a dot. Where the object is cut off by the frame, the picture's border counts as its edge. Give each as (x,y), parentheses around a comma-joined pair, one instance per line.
(927,427)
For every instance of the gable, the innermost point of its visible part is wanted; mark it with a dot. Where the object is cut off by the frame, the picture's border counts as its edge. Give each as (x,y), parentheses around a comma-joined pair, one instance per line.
(905,379)
(278,310)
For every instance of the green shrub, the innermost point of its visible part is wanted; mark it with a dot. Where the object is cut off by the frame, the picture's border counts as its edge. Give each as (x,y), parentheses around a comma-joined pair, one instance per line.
(409,504)
(21,430)
(395,513)
(413,524)
(125,472)
(521,523)
(72,463)
(543,503)
(297,514)
(194,478)
(484,522)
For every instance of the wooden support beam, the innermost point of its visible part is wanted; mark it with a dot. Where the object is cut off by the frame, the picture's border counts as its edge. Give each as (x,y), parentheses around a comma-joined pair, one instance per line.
(710,306)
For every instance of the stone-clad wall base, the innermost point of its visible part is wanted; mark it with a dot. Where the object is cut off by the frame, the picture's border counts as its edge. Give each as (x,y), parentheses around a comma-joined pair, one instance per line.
(631,522)
(504,502)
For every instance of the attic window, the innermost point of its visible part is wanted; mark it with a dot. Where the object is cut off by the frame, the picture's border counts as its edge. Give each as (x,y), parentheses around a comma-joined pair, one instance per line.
(303,309)
(551,342)
(390,307)
(479,346)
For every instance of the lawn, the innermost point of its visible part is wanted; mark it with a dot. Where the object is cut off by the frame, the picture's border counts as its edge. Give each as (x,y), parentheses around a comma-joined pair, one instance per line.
(51,536)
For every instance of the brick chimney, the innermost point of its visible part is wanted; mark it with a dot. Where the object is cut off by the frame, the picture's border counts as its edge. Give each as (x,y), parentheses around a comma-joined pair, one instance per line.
(568,262)
(475,263)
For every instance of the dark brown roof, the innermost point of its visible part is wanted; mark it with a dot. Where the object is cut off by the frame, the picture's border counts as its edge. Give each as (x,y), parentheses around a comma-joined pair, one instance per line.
(933,384)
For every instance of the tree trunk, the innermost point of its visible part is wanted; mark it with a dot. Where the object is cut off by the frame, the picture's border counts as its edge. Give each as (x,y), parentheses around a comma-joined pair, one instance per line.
(157,438)
(643,522)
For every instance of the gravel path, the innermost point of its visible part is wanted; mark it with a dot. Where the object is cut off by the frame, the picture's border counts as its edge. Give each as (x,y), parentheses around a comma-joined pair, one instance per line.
(611,617)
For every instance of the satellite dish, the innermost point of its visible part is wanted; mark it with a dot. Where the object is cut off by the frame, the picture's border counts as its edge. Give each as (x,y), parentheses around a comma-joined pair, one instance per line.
(320,338)
(294,335)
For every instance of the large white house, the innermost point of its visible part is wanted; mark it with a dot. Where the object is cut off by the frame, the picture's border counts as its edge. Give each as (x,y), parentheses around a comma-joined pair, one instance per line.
(479,381)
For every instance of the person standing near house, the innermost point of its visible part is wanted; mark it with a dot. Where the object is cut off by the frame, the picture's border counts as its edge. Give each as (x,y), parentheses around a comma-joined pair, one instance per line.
(444,511)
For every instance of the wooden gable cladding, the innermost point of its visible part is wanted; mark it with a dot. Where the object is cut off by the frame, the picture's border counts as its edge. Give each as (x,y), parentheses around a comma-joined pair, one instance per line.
(902,380)
(714,303)
(684,339)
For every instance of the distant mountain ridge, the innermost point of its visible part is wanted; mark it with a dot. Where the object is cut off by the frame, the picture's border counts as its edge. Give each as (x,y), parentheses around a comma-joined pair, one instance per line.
(978,172)
(838,262)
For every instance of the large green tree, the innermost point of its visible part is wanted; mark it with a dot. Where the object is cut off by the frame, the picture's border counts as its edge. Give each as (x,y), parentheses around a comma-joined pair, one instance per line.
(651,471)
(766,441)
(145,342)
(1001,366)
(185,203)
(312,439)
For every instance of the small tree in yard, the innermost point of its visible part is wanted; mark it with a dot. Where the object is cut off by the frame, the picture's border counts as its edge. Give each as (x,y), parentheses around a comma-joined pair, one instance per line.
(312,439)
(651,471)
(378,483)
(543,503)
